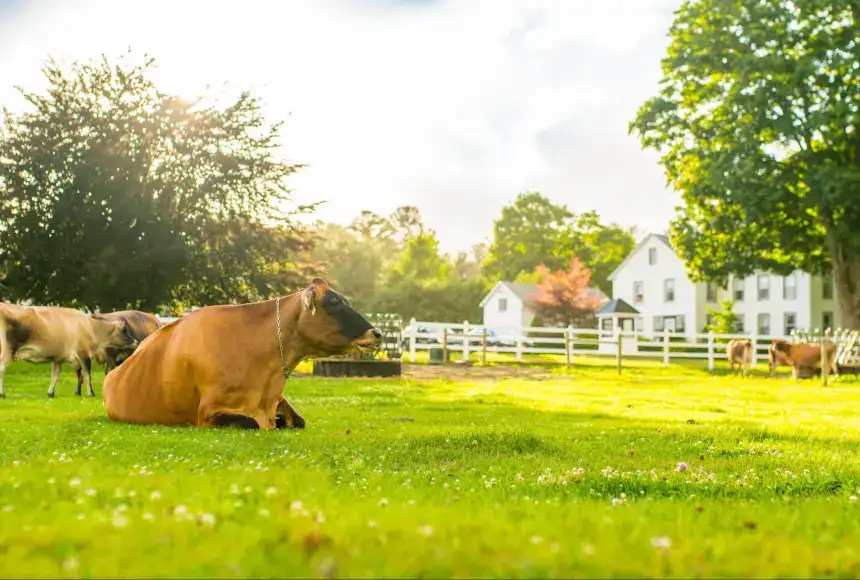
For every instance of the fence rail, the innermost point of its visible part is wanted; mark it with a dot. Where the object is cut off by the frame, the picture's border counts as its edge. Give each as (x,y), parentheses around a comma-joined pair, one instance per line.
(471,339)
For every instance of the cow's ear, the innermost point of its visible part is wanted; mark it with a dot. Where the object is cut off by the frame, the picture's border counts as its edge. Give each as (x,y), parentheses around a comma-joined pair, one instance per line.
(308,298)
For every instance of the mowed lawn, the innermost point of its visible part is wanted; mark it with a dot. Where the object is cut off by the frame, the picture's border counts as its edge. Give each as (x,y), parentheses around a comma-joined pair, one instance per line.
(575,474)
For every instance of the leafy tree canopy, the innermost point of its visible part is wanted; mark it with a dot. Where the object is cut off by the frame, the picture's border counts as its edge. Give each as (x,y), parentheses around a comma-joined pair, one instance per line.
(757,123)
(114,194)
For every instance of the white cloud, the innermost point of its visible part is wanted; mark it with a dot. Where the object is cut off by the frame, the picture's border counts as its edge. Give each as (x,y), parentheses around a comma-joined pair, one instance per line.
(452,106)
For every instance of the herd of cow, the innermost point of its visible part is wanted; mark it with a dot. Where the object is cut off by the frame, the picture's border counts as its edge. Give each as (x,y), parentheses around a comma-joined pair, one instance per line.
(220,366)
(225,366)
(782,352)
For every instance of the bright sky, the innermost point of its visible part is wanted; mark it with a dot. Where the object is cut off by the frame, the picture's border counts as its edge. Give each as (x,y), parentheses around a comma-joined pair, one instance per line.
(452,106)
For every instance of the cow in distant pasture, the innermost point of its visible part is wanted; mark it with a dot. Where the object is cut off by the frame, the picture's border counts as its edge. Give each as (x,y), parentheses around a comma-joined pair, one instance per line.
(801,355)
(739,351)
(140,324)
(54,334)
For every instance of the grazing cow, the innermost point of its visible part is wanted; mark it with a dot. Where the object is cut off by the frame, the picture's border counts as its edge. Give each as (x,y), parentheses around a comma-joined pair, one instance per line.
(224,366)
(56,335)
(739,351)
(800,355)
(140,324)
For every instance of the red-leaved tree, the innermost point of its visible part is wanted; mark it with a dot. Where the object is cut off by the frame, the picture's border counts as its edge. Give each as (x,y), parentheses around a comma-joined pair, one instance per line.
(566,297)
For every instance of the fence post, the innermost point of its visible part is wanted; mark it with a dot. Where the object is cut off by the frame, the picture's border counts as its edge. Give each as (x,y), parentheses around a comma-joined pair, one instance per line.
(754,349)
(618,349)
(484,346)
(710,350)
(665,347)
(466,345)
(520,346)
(822,346)
(444,345)
(413,331)
(568,336)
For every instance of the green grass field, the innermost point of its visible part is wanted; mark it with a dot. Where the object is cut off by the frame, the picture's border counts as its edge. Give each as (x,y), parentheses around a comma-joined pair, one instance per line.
(573,474)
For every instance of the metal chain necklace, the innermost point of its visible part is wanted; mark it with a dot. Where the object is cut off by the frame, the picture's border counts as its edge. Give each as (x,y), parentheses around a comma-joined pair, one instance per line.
(284,369)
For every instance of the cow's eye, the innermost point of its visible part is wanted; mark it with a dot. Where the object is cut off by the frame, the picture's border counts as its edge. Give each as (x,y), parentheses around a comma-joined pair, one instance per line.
(336,304)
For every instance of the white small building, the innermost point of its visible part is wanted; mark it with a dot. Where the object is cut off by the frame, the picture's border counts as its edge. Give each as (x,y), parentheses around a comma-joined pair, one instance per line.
(508,305)
(653,279)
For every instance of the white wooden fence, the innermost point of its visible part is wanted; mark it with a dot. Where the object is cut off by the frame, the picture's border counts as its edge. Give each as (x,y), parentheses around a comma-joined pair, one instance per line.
(470,339)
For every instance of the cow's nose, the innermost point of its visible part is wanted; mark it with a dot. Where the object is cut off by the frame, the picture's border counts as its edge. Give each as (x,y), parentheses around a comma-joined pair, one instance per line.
(377,334)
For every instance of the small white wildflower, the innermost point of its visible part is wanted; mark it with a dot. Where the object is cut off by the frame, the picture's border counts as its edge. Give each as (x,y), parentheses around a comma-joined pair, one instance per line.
(155,495)
(371,524)
(148,516)
(296,505)
(271,491)
(263,512)
(52,481)
(425,531)
(536,539)
(853,499)
(70,563)
(119,521)
(588,549)
(180,510)
(207,519)
(383,502)
(74,482)
(661,543)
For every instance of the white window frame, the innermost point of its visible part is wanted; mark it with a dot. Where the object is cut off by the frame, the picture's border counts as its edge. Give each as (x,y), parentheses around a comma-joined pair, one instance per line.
(762,290)
(666,290)
(503,304)
(738,286)
(763,329)
(640,297)
(652,256)
(789,291)
(785,322)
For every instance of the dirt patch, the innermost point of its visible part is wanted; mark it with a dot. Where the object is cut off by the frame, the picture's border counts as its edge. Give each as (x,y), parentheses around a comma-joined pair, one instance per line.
(457,372)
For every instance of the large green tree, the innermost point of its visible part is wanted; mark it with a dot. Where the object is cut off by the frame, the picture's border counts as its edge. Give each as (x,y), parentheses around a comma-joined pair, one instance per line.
(115,194)
(533,231)
(757,122)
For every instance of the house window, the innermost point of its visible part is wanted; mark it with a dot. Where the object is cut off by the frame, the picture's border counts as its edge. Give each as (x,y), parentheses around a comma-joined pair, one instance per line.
(827,288)
(826,320)
(658,324)
(738,324)
(503,304)
(789,287)
(709,320)
(669,290)
(669,324)
(639,324)
(679,323)
(763,285)
(638,291)
(738,289)
(790,322)
(652,256)
(764,324)
(606,324)
(711,292)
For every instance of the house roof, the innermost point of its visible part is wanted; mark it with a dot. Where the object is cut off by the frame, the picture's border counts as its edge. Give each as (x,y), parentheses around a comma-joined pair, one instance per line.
(639,246)
(617,306)
(519,290)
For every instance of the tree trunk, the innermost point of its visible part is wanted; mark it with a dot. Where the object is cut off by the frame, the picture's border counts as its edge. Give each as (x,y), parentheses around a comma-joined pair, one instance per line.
(846,272)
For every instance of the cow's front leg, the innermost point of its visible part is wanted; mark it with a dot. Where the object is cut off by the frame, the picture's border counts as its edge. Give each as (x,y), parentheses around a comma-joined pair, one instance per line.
(286,416)
(3,364)
(55,377)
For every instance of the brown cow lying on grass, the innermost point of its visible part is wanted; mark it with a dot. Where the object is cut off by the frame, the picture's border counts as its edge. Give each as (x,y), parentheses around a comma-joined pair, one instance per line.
(739,351)
(52,334)
(801,355)
(224,366)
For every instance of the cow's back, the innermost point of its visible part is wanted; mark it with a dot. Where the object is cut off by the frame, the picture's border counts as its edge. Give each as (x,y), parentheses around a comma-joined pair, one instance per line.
(163,381)
(52,332)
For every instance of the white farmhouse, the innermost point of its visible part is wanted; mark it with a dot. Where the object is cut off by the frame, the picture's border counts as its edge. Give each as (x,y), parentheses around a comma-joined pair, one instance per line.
(508,305)
(654,281)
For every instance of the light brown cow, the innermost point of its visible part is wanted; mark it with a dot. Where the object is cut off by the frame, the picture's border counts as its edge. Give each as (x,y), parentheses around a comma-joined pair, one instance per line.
(140,324)
(739,351)
(224,366)
(53,334)
(801,355)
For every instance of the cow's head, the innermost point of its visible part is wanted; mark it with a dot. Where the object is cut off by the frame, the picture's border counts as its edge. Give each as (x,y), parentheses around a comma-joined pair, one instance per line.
(330,326)
(117,334)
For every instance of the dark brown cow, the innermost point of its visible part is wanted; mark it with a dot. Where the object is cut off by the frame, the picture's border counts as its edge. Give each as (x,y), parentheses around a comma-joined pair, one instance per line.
(224,366)
(140,324)
(739,351)
(56,335)
(800,355)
